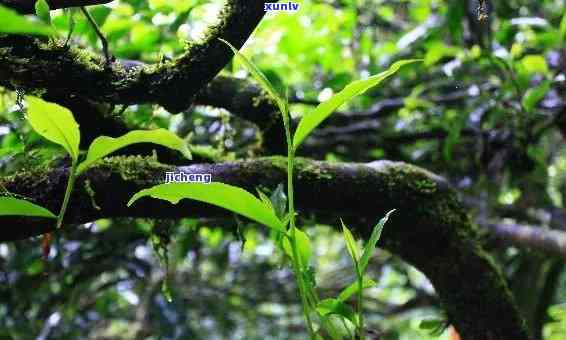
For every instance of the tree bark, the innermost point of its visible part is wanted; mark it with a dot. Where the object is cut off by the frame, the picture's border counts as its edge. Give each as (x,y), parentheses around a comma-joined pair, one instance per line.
(429,230)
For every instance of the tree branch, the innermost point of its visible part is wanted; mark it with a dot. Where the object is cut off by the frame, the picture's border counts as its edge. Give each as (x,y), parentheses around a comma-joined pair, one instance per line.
(430,229)
(547,241)
(27,63)
(28,6)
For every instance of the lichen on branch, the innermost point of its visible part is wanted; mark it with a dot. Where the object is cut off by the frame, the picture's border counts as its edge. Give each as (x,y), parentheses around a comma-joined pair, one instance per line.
(30,63)
(431,229)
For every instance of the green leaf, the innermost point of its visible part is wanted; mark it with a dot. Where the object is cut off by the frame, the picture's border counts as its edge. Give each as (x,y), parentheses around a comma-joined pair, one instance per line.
(335,306)
(10,206)
(304,247)
(562,28)
(535,95)
(12,22)
(313,119)
(103,146)
(42,11)
(260,78)
(336,327)
(279,201)
(265,200)
(222,195)
(353,289)
(558,312)
(350,244)
(534,64)
(370,245)
(435,327)
(55,123)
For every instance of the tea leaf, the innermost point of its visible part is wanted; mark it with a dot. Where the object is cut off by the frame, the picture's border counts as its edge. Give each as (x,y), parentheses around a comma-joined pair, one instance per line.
(336,306)
(350,244)
(222,195)
(370,245)
(535,95)
(103,146)
(12,22)
(260,78)
(10,206)
(304,247)
(313,119)
(55,123)
(42,11)
(354,288)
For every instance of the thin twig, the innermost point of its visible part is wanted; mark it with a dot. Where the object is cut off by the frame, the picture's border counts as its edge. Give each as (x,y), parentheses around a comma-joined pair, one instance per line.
(100,36)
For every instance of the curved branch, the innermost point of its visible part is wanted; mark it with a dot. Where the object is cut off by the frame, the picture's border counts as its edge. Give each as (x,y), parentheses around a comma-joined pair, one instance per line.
(28,6)
(431,230)
(28,63)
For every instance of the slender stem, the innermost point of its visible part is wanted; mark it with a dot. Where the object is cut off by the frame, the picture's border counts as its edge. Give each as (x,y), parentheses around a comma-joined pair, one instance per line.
(68,191)
(99,34)
(297,265)
(361,332)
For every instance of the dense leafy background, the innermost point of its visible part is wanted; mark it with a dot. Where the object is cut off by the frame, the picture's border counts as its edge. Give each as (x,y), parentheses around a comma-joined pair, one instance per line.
(489,119)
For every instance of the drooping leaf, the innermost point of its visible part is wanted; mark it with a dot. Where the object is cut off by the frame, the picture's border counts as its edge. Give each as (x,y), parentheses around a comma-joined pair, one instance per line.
(222,195)
(354,287)
(313,119)
(55,123)
(260,78)
(304,247)
(12,22)
(10,206)
(103,146)
(42,11)
(336,327)
(370,245)
(350,244)
(336,306)
(534,95)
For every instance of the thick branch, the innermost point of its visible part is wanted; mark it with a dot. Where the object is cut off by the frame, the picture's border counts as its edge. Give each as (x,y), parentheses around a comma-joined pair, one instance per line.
(27,6)
(28,63)
(429,230)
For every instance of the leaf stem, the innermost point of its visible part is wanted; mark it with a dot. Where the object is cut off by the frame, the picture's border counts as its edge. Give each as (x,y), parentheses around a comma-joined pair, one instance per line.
(68,191)
(297,265)
(361,332)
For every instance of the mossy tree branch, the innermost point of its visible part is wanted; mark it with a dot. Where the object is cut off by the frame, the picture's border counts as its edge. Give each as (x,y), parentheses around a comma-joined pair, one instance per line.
(27,6)
(28,63)
(430,230)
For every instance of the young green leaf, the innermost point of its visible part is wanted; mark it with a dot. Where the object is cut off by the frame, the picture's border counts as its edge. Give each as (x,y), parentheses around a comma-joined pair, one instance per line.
(313,119)
(354,287)
(103,146)
(10,206)
(265,200)
(279,201)
(55,123)
(535,95)
(304,248)
(558,312)
(435,327)
(260,78)
(370,245)
(350,244)
(222,195)
(12,22)
(42,11)
(335,306)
